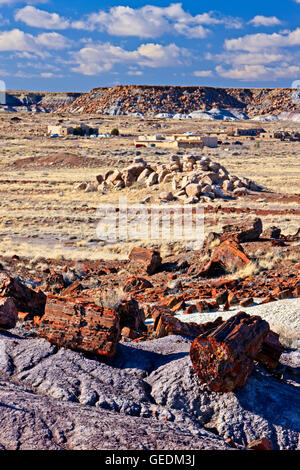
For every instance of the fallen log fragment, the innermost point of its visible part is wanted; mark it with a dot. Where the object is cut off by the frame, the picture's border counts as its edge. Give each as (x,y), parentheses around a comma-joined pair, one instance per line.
(143,260)
(168,325)
(246,232)
(223,358)
(80,325)
(26,299)
(270,352)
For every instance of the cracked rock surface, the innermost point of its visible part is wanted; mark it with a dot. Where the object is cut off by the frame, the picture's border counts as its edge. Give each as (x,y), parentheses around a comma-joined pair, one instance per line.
(146,397)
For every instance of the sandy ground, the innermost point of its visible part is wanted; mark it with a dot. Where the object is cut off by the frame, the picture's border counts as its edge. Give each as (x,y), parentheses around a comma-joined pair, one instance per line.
(42,215)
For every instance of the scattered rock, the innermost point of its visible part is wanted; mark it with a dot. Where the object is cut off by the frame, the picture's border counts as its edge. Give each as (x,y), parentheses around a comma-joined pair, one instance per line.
(81,326)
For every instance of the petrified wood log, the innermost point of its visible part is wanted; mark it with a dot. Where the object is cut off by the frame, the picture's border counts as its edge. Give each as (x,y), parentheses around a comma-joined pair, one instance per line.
(227,257)
(26,299)
(270,352)
(135,283)
(144,260)
(223,359)
(168,325)
(131,315)
(8,313)
(80,325)
(246,232)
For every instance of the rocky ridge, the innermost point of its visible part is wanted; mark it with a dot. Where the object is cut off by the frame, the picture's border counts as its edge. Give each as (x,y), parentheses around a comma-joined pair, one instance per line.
(154,100)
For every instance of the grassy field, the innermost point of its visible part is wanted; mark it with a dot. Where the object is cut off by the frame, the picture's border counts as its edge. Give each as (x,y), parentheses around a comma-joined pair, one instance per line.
(42,215)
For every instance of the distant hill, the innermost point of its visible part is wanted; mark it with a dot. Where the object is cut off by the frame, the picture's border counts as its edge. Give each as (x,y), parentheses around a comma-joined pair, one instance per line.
(153,100)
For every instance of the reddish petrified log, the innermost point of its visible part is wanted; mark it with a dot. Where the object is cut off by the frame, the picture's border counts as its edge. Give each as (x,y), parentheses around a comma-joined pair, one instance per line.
(270,351)
(168,325)
(227,257)
(80,325)
(54,283)
(8,313)
(134,283)
(144,260)
(261,444)
(246,232)
(223,359)
(26,299)
(74,289)
(131,315)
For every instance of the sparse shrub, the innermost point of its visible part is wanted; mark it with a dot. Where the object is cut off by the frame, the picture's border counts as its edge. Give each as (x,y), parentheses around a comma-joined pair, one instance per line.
(110,299)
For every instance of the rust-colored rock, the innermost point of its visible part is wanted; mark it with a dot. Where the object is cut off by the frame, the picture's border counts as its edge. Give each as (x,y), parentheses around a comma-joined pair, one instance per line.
(166,325)
(261,444)
(246,232)
(26,299)
(81,326)
(73,289)
(134,283)
(270,352)
(8,313)
(144,260)
(131,315)
(223,359)
(54,283)
(229,256)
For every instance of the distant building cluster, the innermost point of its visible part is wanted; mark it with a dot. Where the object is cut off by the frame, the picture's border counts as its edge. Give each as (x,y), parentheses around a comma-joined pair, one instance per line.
(177,141)
(80,129)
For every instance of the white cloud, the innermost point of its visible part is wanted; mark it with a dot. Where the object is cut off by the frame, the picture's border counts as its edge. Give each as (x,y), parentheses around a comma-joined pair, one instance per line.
(17,40)
(256,42)
(203,73)
(41,19)
(259,72)
(260,20)
(151,21)
(250,58)
(101,57)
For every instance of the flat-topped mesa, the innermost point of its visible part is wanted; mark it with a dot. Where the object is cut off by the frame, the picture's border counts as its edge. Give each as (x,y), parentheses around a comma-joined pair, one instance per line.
(224,358)
(81,326)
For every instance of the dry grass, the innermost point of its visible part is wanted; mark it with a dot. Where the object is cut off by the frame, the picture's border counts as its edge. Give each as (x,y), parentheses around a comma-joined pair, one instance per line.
(42,215)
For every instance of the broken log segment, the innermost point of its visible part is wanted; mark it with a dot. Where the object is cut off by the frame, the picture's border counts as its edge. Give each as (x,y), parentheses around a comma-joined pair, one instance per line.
(143,260)
(223,358)
(26,299)
(168,325)
(80,325)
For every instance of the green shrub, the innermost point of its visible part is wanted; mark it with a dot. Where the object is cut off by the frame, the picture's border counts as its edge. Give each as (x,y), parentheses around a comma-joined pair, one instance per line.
(115,131)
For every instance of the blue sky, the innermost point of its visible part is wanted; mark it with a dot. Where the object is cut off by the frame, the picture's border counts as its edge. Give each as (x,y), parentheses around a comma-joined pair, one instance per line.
(76,46)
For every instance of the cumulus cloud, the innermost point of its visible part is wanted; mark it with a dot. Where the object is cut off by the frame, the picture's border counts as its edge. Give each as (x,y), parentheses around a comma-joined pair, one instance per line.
(151,21)
(260,20)
(256,42)
(203,73)
(17,40)
(41,19)
(97,58)
(258,72)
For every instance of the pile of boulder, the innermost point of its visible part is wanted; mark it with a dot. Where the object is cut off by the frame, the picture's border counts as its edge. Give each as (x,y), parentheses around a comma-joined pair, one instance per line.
(193,179)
